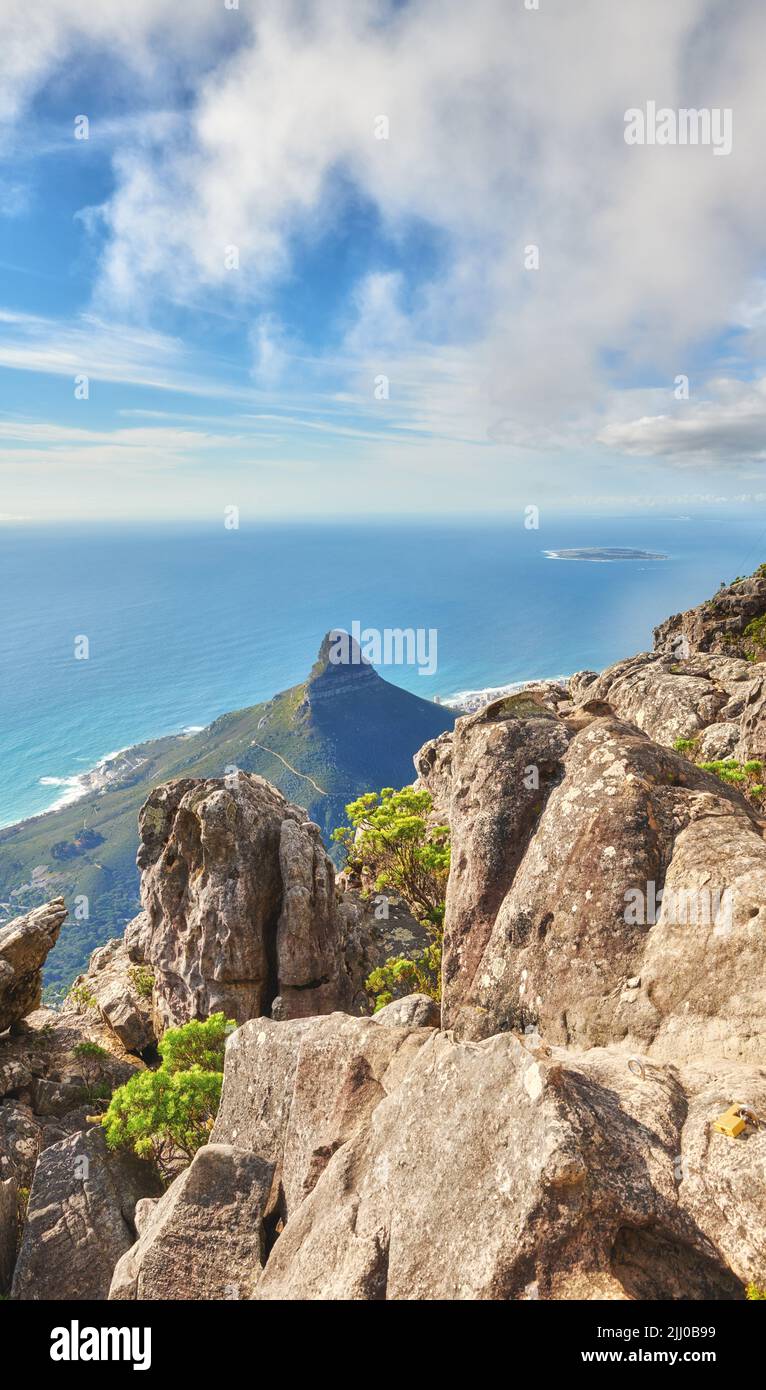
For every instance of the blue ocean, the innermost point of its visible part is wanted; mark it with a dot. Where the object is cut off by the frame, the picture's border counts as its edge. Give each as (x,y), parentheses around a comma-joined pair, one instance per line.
(185,623)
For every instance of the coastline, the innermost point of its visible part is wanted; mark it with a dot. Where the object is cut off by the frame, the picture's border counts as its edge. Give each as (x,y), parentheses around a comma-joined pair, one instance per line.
(122,763)
(106,772)
(469,701)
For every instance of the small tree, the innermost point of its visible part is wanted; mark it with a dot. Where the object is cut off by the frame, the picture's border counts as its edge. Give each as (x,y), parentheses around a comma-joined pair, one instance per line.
(91,1057)
(389,842)
(167,1115)
(391,845)
(164,1115)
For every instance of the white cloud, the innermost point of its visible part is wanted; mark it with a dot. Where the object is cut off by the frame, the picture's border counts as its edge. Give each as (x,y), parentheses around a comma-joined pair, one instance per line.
(729,428)
(506,128)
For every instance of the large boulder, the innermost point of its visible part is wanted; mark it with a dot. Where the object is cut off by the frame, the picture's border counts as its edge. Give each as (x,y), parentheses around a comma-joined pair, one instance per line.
(239,905)
(492,1171)
(295,1092)
(24,945)
(80,1218)
(413,1011)
(204,1239)
(630,910)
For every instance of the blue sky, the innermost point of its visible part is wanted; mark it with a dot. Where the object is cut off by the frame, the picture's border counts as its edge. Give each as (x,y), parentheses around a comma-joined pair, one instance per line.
(381,170)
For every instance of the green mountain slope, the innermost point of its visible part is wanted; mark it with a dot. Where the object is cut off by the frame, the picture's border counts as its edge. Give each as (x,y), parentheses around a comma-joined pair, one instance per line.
(343,732)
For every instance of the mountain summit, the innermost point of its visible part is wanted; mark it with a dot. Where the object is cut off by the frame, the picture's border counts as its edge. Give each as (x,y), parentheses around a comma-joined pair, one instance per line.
(343,731)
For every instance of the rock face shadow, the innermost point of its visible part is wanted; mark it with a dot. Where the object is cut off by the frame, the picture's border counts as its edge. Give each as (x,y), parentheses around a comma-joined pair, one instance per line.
(651,1264)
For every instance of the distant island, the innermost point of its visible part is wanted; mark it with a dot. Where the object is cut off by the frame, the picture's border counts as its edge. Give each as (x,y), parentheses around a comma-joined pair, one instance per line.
(602,553)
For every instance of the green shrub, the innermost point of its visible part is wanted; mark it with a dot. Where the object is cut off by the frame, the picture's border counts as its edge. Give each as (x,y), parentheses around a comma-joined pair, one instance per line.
(167,1115)
(196,1044)
(745,776)
(142,980)
(161,1115)
(82,997)
(755,637)
(755,1291)
(401,976)
(390,844)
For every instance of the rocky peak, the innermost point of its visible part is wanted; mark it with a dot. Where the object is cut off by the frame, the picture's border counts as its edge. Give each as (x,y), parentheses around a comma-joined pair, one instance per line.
(239,904)
(340,668)
(719,624)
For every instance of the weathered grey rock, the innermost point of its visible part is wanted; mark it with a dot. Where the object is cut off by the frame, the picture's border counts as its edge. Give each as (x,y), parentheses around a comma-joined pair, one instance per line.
(8,1231)
(57,1097)
(24,945)
(414,1011)
(79,1219)
(504,762)
(718,624)
(143,1213)
(697,697)
(627,818)
(239,904)
(204,1239)
(487,1173)
(718,741)
(294,1092)
(111,981)
(15,1078)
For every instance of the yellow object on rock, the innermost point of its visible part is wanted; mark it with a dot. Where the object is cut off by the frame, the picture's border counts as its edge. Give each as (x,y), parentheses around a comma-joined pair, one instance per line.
(731,1122)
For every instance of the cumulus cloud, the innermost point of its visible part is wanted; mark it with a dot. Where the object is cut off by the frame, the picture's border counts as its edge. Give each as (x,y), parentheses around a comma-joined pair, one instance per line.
(505,130)
(729,428)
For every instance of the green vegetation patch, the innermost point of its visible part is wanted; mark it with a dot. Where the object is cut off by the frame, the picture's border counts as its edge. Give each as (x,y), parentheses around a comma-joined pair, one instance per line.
(166,1115)
(392,847)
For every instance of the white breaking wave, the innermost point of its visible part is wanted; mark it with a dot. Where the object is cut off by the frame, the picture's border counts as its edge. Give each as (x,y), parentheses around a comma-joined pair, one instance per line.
(470,700)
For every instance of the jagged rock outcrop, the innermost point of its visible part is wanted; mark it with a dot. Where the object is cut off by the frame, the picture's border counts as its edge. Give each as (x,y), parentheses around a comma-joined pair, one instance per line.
(239,905)
(503,763)
(204,1239)
(639,867)
(24,945)
(80,1218)
(717,625)
(48,1090)
(703,681)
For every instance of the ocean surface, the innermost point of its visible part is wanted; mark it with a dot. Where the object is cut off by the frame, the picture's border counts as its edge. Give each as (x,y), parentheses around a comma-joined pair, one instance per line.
(184,624)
